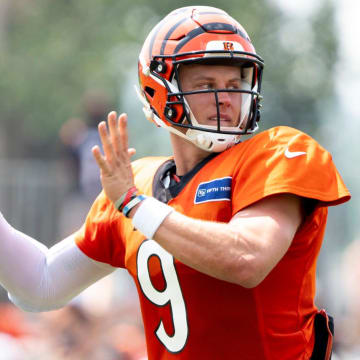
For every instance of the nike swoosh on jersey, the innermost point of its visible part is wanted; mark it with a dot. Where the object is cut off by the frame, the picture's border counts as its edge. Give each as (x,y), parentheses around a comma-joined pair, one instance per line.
(292,154)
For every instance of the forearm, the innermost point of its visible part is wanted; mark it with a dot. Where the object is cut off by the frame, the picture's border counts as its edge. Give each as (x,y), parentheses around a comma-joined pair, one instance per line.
(38,278)
(215,249)
(19,253)
(242,251)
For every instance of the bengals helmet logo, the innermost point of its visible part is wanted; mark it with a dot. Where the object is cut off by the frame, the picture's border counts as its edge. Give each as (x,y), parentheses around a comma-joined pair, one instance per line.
(228,46)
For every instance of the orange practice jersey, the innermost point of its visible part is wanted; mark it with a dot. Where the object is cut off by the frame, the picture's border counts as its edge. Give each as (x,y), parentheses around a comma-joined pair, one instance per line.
(189,315)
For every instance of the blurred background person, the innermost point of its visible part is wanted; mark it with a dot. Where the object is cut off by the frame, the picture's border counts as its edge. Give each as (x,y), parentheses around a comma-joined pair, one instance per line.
(79,135)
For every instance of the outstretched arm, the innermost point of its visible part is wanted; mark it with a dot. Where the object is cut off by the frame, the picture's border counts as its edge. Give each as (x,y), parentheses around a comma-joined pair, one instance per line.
(41,279)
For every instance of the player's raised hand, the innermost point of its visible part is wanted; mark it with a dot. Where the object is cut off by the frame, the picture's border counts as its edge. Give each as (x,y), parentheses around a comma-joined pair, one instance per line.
(115,166)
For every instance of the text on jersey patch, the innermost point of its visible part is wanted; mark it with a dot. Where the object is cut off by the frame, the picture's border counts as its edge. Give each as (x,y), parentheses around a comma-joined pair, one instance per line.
(214,190)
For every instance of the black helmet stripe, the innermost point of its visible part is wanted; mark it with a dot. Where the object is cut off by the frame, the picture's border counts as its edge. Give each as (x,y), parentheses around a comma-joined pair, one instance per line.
(191,35)
(159,26)
(155,32)
(208,27)
(175,26)
(167,36)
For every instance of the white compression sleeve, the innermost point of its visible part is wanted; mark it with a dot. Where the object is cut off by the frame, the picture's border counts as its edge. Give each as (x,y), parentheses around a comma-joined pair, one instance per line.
(42,279)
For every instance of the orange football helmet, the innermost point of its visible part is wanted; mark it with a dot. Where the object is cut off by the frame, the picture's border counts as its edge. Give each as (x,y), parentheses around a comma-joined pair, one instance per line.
(204,35)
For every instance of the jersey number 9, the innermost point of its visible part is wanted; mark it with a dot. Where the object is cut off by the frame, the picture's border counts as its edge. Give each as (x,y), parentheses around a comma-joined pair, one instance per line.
(170,295)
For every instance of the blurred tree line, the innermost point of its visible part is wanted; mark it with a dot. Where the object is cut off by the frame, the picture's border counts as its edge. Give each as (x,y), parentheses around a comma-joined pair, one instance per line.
(52,52)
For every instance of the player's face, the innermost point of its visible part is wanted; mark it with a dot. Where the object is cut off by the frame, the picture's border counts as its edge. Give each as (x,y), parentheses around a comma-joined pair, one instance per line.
(210,77)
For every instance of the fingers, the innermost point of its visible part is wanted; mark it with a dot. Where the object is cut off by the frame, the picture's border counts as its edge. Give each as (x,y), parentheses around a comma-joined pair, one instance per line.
(123,132)
(114,133)
(114,163)
(118,133)
(114,139)
(100,160)
(106,142)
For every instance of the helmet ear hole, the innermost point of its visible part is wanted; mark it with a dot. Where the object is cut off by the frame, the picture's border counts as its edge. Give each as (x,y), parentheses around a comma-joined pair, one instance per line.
(158,66)
(150,91)
(170,113)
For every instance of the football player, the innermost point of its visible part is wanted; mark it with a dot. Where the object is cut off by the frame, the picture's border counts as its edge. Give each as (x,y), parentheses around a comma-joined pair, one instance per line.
(222,237)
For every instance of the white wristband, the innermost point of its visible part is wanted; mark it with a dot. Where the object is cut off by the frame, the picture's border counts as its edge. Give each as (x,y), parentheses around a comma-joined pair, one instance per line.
(149,216)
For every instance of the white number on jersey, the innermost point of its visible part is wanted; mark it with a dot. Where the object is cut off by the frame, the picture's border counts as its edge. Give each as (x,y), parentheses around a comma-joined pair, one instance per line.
(171,294)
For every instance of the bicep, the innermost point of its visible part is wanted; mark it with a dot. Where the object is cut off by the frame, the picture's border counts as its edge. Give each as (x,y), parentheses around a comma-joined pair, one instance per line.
(268,226)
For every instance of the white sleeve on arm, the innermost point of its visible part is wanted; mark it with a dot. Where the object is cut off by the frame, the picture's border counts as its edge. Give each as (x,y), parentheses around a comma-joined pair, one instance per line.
(42,279)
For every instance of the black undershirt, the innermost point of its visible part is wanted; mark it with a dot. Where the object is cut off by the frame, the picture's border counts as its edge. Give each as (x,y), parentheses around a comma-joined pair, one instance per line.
(165,193)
